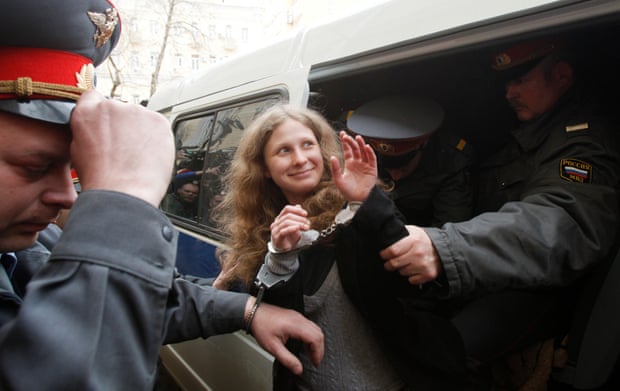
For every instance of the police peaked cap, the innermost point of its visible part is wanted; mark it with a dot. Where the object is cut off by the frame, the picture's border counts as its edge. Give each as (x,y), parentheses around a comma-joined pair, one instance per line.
(519,59)
(396,125)
(48,52)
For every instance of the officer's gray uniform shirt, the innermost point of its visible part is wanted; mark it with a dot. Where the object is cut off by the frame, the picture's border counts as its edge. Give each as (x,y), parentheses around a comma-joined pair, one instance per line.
(128,273)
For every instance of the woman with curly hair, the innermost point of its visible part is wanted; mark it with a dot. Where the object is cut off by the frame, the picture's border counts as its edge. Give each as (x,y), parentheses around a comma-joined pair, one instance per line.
(291,180)
(253,200)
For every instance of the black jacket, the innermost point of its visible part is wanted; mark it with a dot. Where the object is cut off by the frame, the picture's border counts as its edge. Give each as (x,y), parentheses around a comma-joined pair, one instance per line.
(549,207)
(424,348)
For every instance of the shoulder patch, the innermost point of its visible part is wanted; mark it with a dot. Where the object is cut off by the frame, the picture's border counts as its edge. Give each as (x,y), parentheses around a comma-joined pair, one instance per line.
(461,144)
(575,170)
(577,127)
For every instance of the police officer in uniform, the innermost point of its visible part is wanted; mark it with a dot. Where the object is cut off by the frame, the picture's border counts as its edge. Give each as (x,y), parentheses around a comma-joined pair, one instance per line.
(548,204)
(94,315)
(426,170)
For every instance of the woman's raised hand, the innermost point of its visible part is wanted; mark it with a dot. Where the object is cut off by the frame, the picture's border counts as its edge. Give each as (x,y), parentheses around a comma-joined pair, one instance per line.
(359,175)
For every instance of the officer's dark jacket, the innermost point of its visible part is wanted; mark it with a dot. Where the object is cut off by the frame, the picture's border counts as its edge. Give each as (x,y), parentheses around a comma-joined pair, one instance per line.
(439,190)
(424,349)
(550,206)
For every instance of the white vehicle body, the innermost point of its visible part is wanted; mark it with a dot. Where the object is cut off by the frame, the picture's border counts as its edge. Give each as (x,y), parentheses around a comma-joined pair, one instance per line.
(440,47)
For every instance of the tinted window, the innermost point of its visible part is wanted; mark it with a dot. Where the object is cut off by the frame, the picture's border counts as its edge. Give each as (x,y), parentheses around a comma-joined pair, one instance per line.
(205,147)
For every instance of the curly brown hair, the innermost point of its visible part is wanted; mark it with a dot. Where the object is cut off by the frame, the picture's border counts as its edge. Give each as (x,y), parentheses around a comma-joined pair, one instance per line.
(252,201)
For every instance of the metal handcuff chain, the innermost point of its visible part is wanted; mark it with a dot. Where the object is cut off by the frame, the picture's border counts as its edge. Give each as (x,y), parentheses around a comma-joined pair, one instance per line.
(267,279)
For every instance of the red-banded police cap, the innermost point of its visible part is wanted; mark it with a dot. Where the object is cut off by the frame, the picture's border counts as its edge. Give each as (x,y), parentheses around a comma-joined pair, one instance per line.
(519,59)
(396,125)
(49,51)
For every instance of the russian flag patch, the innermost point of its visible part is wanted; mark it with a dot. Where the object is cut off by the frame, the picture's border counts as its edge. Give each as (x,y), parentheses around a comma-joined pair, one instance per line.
(575,170)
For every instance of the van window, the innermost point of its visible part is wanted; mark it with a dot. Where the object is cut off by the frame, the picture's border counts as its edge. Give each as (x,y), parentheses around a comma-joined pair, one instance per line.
(205,146)
(191,138)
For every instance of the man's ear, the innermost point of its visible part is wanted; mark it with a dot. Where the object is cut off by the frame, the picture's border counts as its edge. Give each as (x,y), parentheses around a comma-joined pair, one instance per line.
(564,74)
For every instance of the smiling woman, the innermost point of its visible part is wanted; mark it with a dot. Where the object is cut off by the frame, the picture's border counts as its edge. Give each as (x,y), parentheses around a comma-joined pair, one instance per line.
(284,152)
(293,160)
(297,186)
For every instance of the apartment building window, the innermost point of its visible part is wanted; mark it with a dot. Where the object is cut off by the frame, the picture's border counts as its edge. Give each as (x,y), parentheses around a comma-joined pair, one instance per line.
(135,61)
(177,30)
(154,27)
(178,60)
(195,62)
(244,34)
(228,32)
(212,31)
(133,25)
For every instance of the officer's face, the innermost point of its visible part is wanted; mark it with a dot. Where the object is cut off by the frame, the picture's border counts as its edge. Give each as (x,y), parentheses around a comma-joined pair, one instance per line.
(403,171)
(536,92)
(35,178)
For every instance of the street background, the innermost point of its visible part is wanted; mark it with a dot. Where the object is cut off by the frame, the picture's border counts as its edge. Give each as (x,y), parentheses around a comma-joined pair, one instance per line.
(166,40)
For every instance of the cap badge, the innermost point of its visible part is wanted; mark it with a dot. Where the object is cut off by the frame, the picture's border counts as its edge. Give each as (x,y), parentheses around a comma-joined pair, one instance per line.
(105,23)
(25,87)
(384,147)
(502,60)
(85,78)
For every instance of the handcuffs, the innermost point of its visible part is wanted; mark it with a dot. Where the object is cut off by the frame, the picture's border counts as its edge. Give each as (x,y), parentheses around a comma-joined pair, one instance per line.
(311,237)
(288,262)
(266,277)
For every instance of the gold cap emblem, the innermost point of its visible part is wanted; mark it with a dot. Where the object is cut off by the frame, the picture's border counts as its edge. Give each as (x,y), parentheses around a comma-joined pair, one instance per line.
(105,23)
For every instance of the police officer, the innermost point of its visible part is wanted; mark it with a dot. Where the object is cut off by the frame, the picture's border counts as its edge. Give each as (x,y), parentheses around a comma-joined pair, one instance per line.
(96,313)
(184,201)
(426,170)
(550,203)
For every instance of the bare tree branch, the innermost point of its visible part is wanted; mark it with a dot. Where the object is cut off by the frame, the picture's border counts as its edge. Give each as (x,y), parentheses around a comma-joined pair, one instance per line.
(162,50)
(115,76)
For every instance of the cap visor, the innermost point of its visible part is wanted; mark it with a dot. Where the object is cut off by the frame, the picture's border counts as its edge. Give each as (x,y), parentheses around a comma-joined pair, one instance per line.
(517,71)
(54,111)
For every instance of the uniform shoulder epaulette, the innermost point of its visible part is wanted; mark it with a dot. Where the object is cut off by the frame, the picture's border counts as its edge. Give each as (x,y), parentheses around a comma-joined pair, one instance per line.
(461,144)
(577,127)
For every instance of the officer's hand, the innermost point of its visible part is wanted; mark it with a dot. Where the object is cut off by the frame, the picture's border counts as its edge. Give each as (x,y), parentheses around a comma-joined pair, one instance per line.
(414,257)
(273,326)
(121,147)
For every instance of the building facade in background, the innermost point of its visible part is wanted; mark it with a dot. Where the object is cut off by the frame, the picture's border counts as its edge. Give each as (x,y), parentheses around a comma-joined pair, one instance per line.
(165,40)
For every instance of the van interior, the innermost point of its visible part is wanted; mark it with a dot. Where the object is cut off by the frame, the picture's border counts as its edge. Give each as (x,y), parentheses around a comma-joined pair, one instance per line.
(461,79)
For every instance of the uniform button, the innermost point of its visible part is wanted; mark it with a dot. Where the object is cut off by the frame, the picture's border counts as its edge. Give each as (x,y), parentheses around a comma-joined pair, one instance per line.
(167,232)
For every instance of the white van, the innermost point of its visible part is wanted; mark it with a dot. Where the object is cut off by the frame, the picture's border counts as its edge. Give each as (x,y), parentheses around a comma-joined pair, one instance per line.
(438,48)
